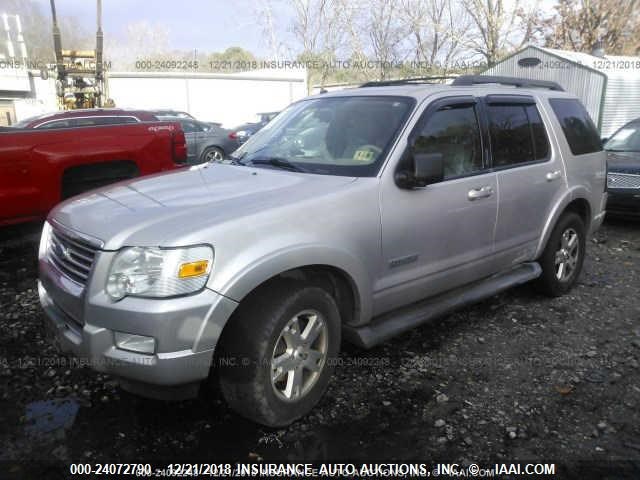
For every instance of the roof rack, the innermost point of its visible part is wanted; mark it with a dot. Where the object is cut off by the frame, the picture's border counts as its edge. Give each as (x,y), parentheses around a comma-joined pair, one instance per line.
(467,80)
(405,81)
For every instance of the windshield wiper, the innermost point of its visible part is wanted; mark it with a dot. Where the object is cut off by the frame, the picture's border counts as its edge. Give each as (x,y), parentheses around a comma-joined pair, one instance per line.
(278,162)
(233,159)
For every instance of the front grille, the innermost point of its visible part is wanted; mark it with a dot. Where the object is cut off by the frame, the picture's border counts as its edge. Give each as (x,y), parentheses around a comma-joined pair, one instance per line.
(71,255)
(623,180)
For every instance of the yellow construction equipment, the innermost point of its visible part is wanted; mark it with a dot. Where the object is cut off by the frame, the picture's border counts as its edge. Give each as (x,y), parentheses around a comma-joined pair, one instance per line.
(80,82)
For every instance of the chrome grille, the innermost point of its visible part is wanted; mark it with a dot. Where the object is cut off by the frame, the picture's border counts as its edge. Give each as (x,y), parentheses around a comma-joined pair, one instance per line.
(72,256)
(623,180)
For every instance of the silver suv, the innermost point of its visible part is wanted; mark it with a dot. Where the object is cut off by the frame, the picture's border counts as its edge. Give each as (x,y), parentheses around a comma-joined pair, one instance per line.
(356,214)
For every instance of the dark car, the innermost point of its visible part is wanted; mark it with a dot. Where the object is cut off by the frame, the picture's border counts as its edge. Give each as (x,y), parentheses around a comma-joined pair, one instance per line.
(623,170)
(241,133)
(172,113)
(86,118)
(205,142)
(180,114)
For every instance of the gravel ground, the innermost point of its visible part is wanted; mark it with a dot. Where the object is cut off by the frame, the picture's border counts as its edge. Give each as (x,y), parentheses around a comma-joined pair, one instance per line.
(517,378)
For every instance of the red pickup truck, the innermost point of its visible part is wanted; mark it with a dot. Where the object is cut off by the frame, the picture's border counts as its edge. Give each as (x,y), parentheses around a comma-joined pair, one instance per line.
(39,168)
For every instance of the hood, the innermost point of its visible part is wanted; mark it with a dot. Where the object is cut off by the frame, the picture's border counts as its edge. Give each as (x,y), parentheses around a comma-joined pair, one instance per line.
(148,211)
(623,162)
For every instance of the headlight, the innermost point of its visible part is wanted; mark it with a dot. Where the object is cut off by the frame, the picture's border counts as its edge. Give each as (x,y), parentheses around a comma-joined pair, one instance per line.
(159,272)
(44,240)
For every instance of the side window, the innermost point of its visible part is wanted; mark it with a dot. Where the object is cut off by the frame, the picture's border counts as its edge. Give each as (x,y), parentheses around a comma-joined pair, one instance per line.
(114,120)
(511,137)
(55,124)
(84,122)
(540,139)
(453,131)
(93,121)
(582,135)
(517,134)
(190,127)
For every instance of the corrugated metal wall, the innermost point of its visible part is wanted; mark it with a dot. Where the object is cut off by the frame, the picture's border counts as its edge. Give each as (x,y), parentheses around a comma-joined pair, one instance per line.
(584,83)
(587,77)
(622,101)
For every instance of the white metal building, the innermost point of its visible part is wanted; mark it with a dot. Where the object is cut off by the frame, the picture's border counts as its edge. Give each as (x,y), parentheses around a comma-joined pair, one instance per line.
(230,99)
(23,93)
(608,85)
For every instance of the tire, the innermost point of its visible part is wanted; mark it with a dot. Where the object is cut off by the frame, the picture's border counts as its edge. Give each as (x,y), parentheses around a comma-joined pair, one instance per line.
(212,154)
(556,280)
(255,336)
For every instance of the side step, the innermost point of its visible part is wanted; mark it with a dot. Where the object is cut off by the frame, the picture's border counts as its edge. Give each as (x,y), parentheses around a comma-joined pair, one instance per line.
(398,321)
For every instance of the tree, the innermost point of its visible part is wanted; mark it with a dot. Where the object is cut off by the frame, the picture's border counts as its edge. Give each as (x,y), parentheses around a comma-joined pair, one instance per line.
(233,59)
(582,25)
(264,13)
(142,40)
(386,33)
(437,29)
(319,28)
(499,26)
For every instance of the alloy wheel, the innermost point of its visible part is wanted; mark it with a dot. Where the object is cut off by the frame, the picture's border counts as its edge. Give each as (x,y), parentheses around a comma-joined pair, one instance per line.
(299,355)
(566,258)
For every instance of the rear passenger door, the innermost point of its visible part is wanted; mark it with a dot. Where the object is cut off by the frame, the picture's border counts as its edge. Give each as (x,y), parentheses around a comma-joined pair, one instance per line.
(529,171)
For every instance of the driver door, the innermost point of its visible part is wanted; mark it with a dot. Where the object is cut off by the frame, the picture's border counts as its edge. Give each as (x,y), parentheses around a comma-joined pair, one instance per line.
(439,237)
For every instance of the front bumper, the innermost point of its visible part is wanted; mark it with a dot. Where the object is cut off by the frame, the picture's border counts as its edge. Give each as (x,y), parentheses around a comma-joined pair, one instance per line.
(624,201)
(192,323)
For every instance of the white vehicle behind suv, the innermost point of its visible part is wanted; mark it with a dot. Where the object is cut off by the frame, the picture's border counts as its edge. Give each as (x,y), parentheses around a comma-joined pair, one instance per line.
(356,214)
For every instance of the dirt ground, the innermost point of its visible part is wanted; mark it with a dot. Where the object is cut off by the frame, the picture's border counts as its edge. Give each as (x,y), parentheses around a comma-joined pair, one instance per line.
(519,377)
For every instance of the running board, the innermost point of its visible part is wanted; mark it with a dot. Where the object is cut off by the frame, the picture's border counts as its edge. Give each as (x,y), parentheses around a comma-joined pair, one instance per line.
(398,321)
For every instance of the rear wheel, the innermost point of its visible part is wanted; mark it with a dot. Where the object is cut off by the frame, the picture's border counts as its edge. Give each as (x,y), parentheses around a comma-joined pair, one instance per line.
(563,256)
(212,154)
(277,354)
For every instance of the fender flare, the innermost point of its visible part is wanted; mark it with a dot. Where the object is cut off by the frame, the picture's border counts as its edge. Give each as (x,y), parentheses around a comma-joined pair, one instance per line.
(575,193)
(244,281)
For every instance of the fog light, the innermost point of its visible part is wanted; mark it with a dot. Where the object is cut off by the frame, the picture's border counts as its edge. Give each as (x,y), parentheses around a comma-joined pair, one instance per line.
(135,343)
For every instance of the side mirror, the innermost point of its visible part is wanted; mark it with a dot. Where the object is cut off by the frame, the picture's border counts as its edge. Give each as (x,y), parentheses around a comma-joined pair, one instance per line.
(428,168)
(604,140)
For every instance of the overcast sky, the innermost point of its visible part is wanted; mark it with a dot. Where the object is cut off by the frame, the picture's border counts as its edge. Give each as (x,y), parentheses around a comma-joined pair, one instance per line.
(207,25)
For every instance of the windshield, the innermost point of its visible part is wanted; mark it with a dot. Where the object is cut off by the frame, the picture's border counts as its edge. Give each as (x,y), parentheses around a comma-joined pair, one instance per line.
(627,139)
(333,136)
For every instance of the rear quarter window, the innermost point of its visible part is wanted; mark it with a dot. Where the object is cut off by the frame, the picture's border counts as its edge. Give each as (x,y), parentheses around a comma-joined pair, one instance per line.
(579,130)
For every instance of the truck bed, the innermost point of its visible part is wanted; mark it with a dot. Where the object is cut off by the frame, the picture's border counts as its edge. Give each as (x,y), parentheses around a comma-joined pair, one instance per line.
(39,168)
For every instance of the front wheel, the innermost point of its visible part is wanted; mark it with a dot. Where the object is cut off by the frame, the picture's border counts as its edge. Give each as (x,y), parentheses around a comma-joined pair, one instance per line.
(563,256)
(278,353)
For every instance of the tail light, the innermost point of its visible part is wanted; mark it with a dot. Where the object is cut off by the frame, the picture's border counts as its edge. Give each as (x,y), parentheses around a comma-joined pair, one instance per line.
(179,147)
(233,135)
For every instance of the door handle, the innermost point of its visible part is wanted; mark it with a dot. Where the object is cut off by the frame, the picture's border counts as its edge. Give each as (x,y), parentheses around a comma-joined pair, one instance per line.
(483,192)
(551,176)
